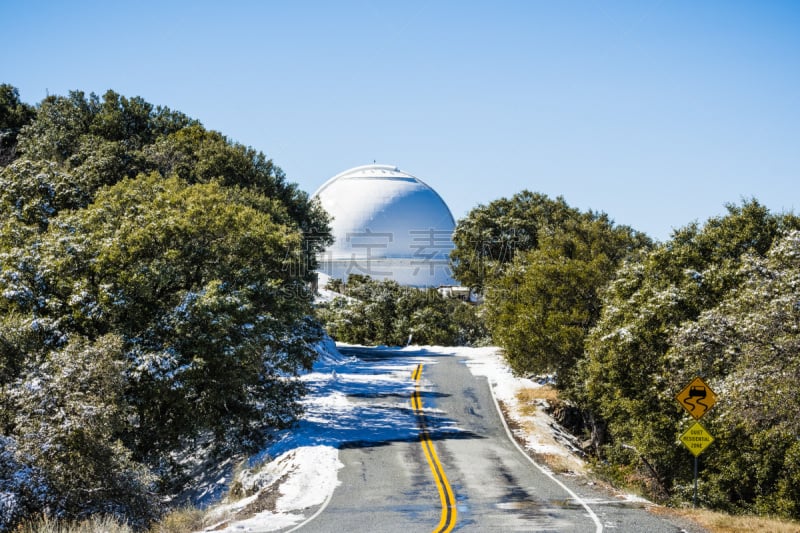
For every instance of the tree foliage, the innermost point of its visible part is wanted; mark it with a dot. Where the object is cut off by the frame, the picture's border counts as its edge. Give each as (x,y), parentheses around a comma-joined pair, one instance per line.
(152,295)
(14,114)
(195,282)
(100,141)
(68,412)
(542,308)
(748,346)
(383,312)
(541,265)
(490,236)
(64,126)
(693,306)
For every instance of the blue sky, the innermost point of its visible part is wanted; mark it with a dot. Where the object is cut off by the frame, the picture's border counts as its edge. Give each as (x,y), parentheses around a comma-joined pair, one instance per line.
(657,113)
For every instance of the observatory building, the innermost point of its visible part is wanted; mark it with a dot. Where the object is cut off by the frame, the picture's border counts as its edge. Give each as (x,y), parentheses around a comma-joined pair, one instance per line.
(387,224)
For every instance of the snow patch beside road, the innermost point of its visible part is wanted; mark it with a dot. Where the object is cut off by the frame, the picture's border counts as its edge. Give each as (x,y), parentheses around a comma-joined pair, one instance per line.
(298,479)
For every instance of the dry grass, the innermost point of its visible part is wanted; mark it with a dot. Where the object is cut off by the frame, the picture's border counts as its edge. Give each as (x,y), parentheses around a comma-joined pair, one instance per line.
(178,521)
(559,464)
(531,394)
(98,524)
(531,398)
(724,523)
(181,521)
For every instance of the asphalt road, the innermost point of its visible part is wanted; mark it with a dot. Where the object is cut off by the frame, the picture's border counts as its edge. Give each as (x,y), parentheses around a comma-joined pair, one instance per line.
(462,453)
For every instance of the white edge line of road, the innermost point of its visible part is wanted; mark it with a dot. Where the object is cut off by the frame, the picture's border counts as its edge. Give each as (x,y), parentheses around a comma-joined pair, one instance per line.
(322,508)
(543,470)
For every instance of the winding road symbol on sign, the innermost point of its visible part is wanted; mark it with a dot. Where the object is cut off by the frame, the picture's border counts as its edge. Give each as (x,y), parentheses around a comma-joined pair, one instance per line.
(697,398)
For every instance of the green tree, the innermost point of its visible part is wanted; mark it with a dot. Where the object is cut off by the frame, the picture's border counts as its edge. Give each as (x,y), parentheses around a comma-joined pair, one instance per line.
(383,312)
(199,288)
(102,141)
(199,156)
(99,142)
(178,307)
(490,236)
(127,120)
(68,412)
(32,193)
(14,114)
(543,306)
(56,132)
(63,122)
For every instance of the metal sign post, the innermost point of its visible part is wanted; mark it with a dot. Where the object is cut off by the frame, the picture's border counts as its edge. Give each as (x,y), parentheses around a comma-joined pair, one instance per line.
(694,499)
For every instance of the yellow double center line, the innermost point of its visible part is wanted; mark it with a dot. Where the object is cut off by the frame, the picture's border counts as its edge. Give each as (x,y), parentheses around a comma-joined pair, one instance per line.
(449,513)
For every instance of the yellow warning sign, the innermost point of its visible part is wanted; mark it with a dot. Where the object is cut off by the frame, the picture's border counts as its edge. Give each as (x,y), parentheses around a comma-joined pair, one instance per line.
(697,398)
(697,439)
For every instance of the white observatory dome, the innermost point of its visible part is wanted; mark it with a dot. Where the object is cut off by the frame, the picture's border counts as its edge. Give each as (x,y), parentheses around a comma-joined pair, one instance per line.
(387,224)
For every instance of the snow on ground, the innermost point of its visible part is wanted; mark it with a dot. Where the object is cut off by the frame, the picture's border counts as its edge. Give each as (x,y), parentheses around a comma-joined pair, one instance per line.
(280,487)
(298,479)
(324,295)
(298,471)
